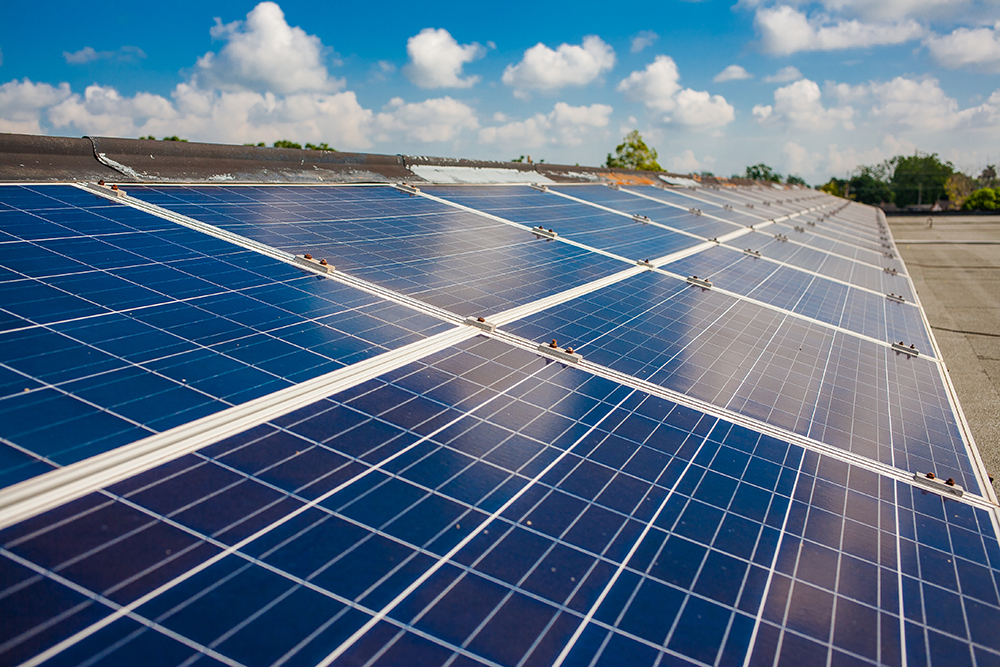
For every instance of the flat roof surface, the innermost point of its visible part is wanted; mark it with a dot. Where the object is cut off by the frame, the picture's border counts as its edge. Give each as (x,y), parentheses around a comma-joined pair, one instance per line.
(955,264)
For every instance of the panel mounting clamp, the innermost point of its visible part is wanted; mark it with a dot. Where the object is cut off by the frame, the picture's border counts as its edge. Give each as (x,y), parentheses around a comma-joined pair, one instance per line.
(481,323)
(112,189)
(646,263)
(895,297)
(752,253)
(316,264)
(901,347)
(541,231)
(565,354)
(945,487)
(641,218)
(704,283)
(539,187)
(408,189)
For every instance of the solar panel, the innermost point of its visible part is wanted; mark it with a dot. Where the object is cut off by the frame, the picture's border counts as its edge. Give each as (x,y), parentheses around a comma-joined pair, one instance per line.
(214,451)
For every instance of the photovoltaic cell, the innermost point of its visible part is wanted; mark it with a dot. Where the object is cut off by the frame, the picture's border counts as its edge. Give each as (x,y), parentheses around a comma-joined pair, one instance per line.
(621,200)
(787,288)
(133,329)
(452,259)
(482,505)
(660,524)
(575,221)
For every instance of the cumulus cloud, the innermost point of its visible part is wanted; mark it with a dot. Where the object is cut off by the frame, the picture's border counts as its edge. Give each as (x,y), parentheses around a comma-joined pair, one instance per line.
(800,106)
(977,48)
(436,59)
(784,75)
(798,159)
(698,109)
(542,68)
(219,116)
(440,119)
(565,125)
(264,53)
(785,30)
(687,163)
(654,86)
(921,104)
(22,103)
(732,73)
(658,87)
(644,39)
(88,55)
(844,161)
(892,9)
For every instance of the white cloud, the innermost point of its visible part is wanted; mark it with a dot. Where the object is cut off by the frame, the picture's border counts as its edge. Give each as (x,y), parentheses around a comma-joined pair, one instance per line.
(436,59)
(658,87)
(698,109)
(842,162)
(543,68)
(732,73)
(798,160)
(785,30)
(978,48)
(218,116)
(687,163)
(799,105)
(894,9)
(654,86)
(88,55)
(644,39)
(846,93)
(923,105)
(439,119)
(565,125)
(22,103)
(784,75)
(264,53)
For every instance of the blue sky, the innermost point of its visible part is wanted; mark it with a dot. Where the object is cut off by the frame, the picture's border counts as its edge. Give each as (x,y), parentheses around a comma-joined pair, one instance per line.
(812,88)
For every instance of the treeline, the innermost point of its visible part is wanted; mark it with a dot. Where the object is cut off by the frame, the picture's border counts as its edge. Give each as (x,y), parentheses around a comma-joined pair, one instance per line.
(919,179)
(281,143)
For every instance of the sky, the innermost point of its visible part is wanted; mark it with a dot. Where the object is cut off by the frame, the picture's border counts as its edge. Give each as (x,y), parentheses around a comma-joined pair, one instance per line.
(813,89)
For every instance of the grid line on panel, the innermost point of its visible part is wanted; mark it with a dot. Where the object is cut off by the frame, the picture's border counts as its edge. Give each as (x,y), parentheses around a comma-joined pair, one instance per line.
(628,215)
(101,599)
(36,495)
(451,553)
(804,441)
(275,253)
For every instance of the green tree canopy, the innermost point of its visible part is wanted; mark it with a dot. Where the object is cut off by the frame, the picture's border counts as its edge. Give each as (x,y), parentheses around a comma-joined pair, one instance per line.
(285,143)
(795,180)
(320,147)
(633,153)
(868,187)
(920,178)
(835,187)
(760,172)
(985,199)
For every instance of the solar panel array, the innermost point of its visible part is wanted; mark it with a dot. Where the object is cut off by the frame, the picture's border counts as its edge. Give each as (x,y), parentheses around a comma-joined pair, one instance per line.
(573,425)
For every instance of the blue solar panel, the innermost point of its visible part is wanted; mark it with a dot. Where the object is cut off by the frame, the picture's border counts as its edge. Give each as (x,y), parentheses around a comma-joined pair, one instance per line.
(622,200)
(449,258)
(578,222)
(718,482)
(133,329)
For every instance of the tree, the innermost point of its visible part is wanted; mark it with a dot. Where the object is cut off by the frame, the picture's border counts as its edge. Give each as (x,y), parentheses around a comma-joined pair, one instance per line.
(320,147)
(985,199)
(174,138)
(959,187)
(760,172)
(518,159)
(920,178)
(868,188)
(795,180)
(285,143)
(988,177)
(633,153)
(835,187)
